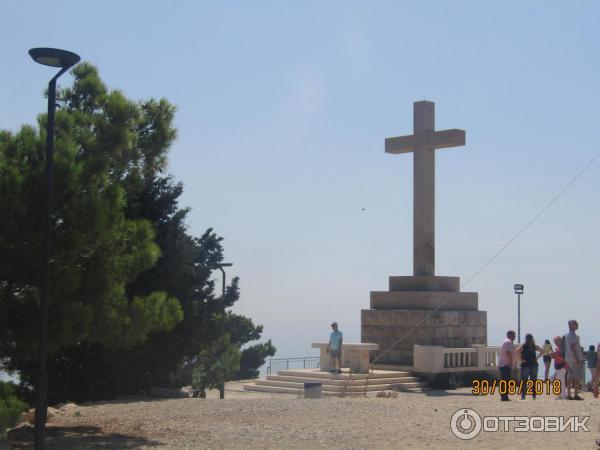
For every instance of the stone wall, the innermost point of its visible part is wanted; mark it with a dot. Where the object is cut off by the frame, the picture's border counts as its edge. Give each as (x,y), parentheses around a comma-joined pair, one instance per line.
(447,318)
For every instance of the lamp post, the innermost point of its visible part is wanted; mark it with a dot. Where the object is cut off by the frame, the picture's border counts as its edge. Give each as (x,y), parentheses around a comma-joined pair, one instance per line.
(64,60)
(518,291)
(220,266)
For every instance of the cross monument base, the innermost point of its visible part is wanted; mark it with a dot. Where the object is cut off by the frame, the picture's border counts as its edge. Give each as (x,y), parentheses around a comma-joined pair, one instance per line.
(422,310)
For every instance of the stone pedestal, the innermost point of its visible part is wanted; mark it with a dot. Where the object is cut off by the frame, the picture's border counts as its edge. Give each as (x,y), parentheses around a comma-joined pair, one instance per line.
(354,356)
(422,310)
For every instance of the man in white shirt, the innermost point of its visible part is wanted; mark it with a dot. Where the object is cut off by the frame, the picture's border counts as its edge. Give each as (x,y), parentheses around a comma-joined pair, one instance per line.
(574,358)
(506,362)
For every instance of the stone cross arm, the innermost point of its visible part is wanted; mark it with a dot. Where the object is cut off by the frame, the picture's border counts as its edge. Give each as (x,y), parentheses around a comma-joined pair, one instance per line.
(422,144)
(425,140)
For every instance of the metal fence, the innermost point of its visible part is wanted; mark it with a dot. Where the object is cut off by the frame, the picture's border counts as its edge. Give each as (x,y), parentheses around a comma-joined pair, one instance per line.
(276,364)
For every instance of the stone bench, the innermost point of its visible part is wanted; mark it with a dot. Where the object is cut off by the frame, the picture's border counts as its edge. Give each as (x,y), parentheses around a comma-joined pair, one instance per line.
(354,356)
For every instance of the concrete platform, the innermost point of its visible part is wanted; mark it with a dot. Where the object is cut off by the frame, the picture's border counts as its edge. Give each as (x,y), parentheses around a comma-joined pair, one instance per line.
(292,382)
(315,373)
(343,382)
(294,391)
(393,367)
(355,356)
(353,387)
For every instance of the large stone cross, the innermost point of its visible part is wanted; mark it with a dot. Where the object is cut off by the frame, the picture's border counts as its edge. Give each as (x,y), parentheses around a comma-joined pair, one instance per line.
(423,143)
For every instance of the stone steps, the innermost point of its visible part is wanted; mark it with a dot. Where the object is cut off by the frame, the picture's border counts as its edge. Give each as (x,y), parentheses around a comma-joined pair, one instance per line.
(293,391)
(272,389)
(393,367)
(343,382)
(292,382)
(315,373)
(341,388)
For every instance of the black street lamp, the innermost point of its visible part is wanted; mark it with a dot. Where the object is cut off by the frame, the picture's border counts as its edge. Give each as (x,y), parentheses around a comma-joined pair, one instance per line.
(220,266)
(64,60)
(518,290)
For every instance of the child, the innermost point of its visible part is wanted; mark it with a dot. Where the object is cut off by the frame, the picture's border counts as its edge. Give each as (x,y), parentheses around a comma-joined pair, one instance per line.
(560,368)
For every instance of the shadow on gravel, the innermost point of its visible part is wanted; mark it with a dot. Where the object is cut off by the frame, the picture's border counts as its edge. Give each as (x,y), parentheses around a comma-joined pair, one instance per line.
(439,393)
(82,437)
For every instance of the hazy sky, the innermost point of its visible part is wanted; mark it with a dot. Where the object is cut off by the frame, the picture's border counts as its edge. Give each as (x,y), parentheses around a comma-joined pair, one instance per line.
(283,108)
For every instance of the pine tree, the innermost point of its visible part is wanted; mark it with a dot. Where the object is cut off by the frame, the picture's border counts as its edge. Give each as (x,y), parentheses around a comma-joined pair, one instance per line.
(132,300)
(97,250)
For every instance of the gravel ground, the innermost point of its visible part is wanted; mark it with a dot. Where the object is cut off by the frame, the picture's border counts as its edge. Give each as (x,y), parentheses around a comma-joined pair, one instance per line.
(255,420)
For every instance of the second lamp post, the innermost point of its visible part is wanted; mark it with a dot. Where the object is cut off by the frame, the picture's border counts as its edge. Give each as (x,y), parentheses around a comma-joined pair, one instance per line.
(220,266)
(518,291)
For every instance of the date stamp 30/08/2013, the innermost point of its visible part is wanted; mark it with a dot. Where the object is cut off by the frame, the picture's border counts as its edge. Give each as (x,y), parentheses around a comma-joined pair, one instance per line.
(512,387)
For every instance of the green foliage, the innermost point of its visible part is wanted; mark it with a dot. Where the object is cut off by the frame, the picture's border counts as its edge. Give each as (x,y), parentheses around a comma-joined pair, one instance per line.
(132,300)
(252,358)
(11,406)
(242,330)
(217,363)
(96,249)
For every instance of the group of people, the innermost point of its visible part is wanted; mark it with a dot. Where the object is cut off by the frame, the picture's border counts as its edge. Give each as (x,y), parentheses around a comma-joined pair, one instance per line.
(569,362)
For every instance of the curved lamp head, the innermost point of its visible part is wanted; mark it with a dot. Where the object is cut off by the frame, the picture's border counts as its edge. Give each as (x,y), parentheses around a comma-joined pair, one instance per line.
(54,57)
(519,288)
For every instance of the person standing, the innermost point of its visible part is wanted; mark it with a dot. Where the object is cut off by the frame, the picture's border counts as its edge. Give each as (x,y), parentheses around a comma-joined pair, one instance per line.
(583,365)
(560,368)
(547,358)
(574,359)
(529,364)
(592,361)
(334,348)
(506,362)
(596,379)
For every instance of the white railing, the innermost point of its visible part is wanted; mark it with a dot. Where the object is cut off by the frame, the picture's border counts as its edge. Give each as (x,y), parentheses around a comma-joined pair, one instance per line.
(437,359)
(460,357)
(490,356)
